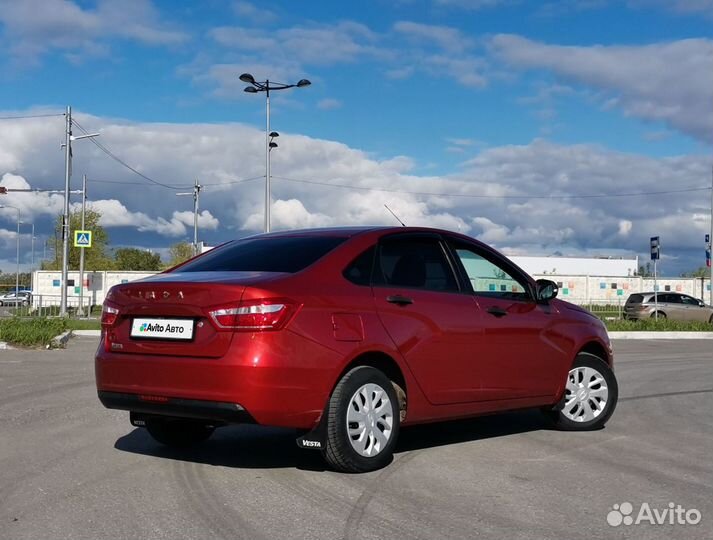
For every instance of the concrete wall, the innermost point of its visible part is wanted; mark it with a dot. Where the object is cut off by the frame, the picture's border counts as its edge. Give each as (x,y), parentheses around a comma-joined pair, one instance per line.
(577,289)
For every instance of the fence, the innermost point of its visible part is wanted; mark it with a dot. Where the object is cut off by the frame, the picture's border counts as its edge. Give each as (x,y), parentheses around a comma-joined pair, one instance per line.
(48,305)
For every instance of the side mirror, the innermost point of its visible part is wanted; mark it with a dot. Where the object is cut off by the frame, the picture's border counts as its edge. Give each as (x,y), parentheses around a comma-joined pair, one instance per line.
(546,290)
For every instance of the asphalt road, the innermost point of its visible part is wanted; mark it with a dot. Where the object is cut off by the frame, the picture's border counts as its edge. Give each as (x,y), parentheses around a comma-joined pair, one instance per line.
(71,469)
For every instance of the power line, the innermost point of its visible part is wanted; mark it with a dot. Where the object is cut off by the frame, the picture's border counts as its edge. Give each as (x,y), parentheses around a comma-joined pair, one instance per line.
(240,181)
(21,117)
(116,158)
(466,195)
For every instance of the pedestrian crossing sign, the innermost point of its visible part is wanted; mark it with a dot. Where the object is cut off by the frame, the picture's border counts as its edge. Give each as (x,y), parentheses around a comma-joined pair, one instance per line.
(83,239)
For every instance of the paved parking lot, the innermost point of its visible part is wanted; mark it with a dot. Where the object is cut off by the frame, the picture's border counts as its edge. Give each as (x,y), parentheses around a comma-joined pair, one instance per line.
(71,469)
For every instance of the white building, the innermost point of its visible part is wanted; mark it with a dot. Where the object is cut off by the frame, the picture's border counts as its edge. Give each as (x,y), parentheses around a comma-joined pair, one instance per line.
(577,266)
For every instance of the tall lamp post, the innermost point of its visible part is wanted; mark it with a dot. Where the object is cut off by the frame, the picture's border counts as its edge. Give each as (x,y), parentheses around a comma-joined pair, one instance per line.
(267,86)
(17,275)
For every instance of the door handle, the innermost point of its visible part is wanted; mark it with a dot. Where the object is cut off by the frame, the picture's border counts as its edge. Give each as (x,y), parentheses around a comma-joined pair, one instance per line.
(399,300)
(497,312)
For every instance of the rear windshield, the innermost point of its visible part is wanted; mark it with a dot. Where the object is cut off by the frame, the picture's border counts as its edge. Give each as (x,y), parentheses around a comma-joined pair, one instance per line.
(282,254)
(635,299)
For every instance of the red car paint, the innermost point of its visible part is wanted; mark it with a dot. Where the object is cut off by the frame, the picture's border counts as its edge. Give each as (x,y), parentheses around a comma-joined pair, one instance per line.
(458,354)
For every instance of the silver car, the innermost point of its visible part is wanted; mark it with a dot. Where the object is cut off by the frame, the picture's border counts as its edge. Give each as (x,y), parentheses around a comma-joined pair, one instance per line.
(671,305)
(21,298)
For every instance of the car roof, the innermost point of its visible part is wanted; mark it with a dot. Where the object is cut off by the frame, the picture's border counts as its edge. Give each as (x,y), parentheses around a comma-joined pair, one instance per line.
(351,231)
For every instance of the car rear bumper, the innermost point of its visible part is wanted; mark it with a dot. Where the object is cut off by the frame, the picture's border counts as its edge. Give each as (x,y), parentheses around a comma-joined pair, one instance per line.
(231,413)
(278,379)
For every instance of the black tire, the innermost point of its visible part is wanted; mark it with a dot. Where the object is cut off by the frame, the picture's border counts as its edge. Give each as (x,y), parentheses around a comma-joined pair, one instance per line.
(662,315)
(178,432)
(711,319)
(339,452)
(586,360)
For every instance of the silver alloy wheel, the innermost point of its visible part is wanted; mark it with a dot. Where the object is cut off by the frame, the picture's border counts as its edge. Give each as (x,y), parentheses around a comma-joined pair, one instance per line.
(586,394)
(370,420)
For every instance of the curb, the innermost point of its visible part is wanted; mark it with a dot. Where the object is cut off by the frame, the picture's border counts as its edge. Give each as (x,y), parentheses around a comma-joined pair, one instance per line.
(660,335)
(87,333)
(60,341)
(4,346)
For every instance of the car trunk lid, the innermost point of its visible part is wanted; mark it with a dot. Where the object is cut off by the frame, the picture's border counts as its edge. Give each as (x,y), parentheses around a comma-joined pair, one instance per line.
(176,301)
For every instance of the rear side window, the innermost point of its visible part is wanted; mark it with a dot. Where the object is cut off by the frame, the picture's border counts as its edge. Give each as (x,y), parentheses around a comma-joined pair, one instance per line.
(359,270)
(635,299)
(282,254)
(414,263)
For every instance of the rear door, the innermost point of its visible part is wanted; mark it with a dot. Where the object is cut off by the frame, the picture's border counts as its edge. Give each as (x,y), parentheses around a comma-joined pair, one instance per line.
(520,352)
(434,325)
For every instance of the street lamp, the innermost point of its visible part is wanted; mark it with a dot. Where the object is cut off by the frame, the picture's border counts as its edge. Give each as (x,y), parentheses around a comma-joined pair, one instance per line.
(267,86)
(17,275)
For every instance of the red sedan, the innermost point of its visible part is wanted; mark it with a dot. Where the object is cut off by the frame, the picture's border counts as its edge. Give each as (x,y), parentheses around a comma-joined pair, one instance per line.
(347,335)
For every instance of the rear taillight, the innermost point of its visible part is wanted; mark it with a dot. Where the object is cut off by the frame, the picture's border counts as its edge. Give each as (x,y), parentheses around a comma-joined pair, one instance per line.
(255,315)
(109,315)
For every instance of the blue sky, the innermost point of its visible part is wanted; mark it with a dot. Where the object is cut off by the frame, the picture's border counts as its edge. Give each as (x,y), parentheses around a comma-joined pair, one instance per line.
(495,97)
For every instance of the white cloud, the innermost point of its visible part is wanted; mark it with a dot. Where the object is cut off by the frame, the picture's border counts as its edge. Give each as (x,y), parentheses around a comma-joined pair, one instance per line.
(472,5)
(249,11)
(666,82)
(220,154)
(33,27)
(625,227)
(329,104)
(446,37)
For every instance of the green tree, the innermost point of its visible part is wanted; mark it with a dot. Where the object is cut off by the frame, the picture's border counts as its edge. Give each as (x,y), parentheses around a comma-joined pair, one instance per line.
(699,272)
(136,259)
(95,257)
(645,271)
(179,252)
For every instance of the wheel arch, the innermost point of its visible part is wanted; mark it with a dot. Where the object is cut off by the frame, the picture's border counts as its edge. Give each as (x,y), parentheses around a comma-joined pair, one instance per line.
(387,365)
(595,348)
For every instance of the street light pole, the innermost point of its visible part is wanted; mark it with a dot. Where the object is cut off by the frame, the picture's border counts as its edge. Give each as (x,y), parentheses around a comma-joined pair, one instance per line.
(17,275)
(711,244)
(266,86)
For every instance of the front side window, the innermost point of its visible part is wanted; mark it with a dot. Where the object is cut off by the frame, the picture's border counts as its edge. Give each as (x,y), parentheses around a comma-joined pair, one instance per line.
(488,278)
(689,301)
(414,263)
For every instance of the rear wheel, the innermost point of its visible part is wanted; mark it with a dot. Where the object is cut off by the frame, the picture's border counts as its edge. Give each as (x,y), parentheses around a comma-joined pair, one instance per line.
(591,394)
(178,432)
(363,421)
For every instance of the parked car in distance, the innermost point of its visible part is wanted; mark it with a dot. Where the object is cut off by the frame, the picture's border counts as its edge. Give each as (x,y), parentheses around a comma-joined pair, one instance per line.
(347,335)
(21,298)
(669,305)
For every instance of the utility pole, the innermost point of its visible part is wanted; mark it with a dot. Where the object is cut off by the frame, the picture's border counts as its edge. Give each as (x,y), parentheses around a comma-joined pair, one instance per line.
(81,251)
(196,193)
(65,213)
(33,246)
(68,138)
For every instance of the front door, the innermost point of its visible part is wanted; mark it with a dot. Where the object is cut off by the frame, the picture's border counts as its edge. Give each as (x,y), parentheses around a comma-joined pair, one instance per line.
(434,325)
(518,354)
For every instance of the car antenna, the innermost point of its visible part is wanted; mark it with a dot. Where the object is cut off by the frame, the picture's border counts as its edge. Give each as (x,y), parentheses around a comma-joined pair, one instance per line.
(393,214)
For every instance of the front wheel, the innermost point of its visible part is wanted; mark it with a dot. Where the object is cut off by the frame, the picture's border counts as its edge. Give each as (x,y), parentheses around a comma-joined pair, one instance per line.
(363,421)
(178,432)
(591,394)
